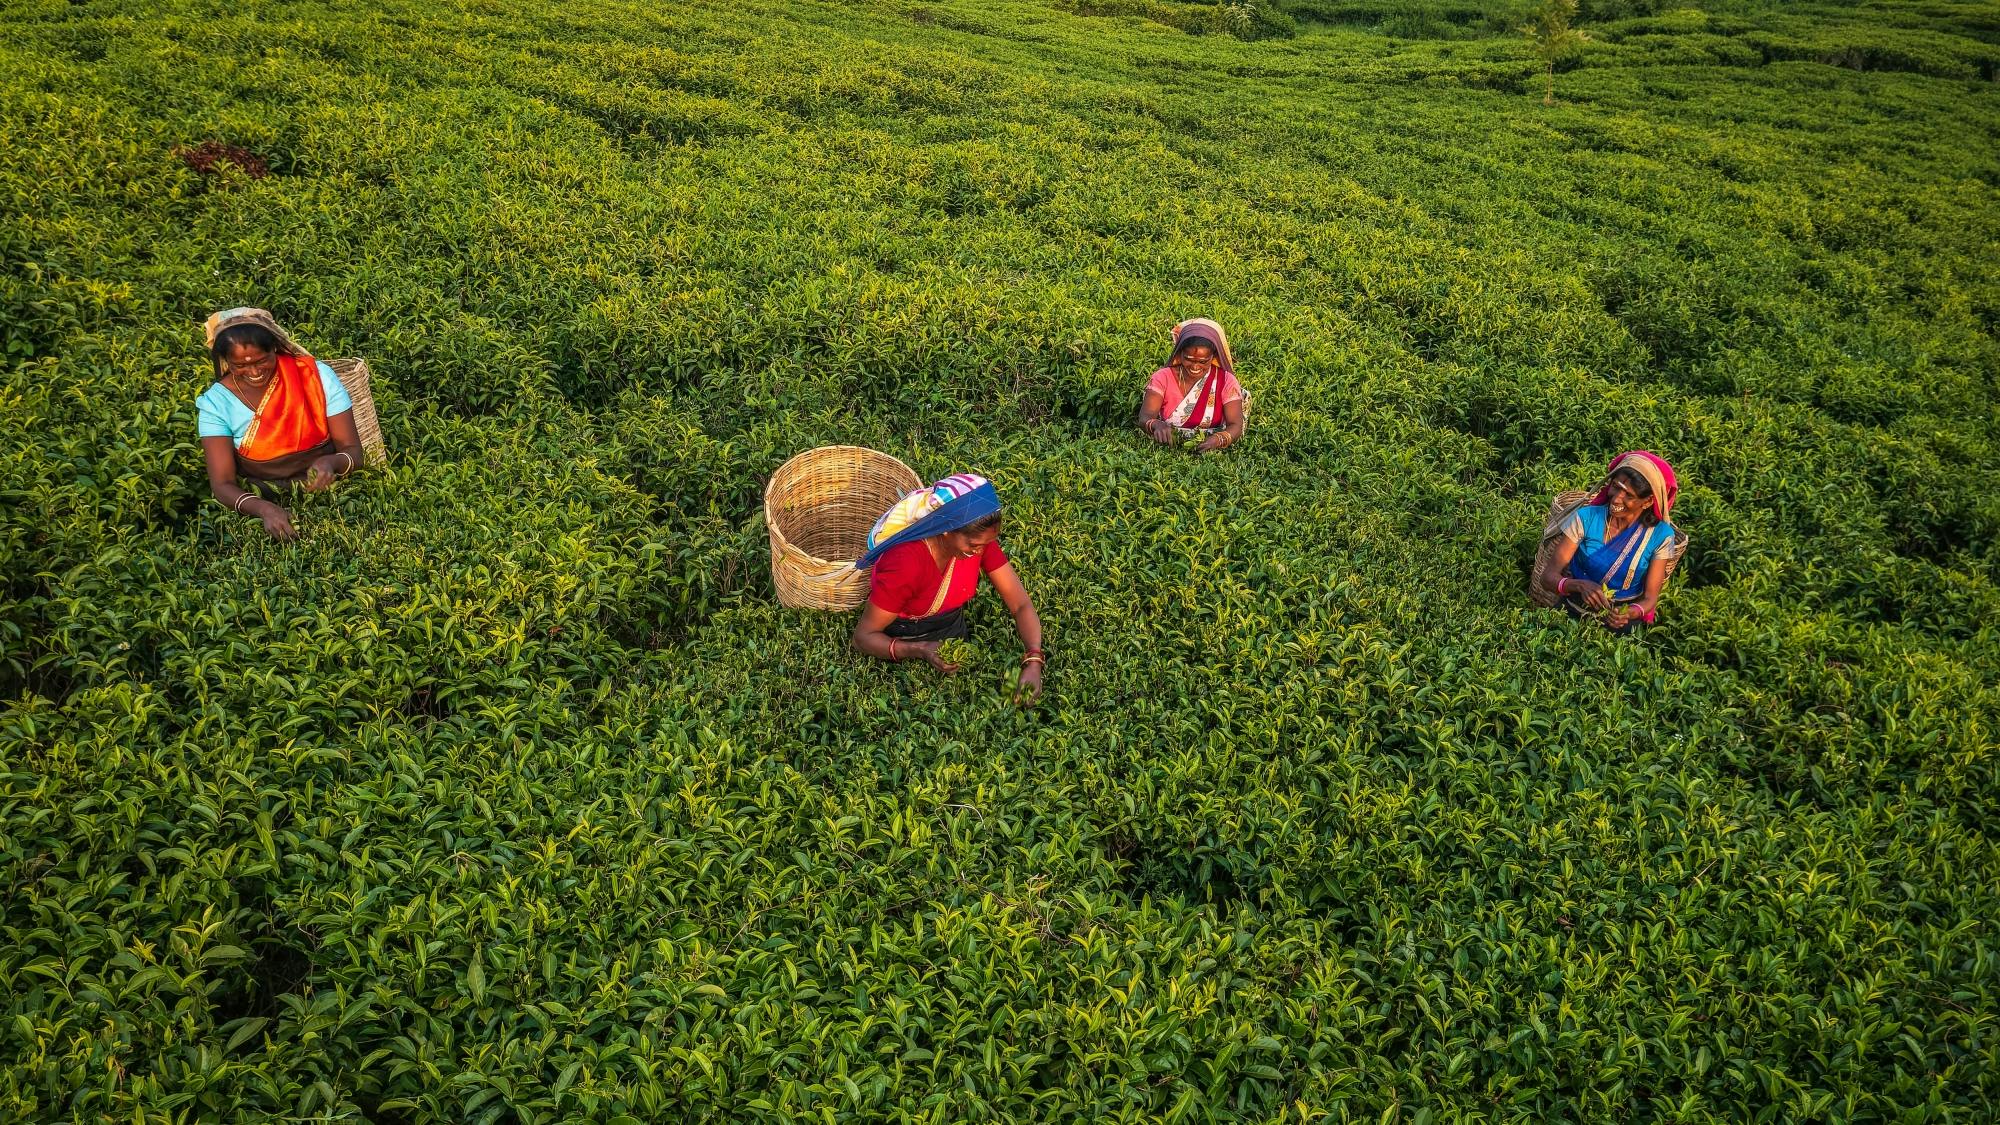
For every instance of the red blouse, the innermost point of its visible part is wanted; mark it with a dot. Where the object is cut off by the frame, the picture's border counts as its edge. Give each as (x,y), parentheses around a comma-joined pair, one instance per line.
(905,581)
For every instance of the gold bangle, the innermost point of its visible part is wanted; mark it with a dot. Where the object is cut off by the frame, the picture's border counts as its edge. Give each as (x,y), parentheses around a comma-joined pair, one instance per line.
(1042,660)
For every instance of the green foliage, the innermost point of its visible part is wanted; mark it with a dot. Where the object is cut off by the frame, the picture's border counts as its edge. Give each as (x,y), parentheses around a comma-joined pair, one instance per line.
(508,793)
(1242,19)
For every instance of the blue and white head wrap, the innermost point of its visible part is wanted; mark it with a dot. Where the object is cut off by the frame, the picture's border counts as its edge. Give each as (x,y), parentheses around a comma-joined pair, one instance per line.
(948,505)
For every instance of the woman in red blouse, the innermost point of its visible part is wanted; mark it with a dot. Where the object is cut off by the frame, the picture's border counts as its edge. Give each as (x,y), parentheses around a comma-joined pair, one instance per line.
(926,555)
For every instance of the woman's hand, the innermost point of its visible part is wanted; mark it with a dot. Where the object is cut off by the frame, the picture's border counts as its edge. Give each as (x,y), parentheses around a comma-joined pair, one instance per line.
(1593,595)
(1162,431)
(1631,613)
(1029,687)
(1217,440)
(927,651)
(277,523)
(324,471)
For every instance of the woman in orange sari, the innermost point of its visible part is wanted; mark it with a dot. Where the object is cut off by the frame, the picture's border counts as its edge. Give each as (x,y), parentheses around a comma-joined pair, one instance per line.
(274,415)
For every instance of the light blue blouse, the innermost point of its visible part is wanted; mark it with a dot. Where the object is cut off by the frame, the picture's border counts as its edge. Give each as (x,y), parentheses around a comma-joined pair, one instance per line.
(221,414)
(1622,563)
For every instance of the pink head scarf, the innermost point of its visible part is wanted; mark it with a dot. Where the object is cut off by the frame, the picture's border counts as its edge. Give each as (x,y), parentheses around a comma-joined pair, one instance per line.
(1656,472)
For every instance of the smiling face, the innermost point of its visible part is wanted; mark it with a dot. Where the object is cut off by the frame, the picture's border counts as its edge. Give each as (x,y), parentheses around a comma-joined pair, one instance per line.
(965,544)
(1630,497)
(1195,360)
(248,363)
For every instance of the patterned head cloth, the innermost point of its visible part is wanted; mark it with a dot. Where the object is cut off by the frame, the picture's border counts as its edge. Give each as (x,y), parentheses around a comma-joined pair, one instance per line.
(948,505)
(230,318)
(1203,330)
(1654,470)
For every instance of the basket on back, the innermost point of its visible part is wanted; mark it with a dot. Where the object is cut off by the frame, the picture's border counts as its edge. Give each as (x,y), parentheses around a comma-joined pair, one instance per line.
(1562,506)
(353,374)
(818,509)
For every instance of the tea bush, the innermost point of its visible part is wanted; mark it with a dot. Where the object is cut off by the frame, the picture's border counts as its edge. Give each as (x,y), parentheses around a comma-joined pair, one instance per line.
(508,794)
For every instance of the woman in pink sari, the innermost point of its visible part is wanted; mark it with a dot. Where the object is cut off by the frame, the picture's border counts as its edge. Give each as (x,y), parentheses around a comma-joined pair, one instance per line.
(1196,395)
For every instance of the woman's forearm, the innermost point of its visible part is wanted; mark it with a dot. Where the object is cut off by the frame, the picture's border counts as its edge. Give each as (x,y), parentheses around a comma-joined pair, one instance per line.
(1029,625)
(238,499)
(878,644)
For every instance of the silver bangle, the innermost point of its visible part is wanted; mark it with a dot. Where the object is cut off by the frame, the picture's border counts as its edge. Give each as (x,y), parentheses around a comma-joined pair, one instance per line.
(238,506)
(350,460)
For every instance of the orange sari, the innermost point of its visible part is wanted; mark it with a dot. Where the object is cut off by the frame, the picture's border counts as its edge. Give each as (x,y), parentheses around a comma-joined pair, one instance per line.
(292,417)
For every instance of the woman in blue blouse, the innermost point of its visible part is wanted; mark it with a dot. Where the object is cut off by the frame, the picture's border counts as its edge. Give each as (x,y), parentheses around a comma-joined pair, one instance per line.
(1608,557)
(274,416)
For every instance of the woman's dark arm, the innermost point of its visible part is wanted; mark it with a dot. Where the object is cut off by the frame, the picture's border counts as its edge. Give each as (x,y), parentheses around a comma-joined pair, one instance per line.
(220,454)
(345,458)
(1551,577)
(1656,580)
(870,638)
(1027,623)
(1152,417)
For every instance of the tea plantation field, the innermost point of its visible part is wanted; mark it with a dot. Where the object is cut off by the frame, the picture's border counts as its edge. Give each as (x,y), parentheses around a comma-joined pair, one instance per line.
(508,794)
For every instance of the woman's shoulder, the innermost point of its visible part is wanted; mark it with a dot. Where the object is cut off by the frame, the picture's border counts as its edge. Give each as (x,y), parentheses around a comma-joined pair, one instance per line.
(1592,517)
(219,402)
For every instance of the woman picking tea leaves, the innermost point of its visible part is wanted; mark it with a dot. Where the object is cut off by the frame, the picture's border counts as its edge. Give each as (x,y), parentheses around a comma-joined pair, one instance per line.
(1609,558)
(274,416)
(924,559)
(1195,400)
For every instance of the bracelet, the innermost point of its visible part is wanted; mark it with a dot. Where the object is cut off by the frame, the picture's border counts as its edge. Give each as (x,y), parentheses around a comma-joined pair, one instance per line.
(893,658)
(350,461)
(1562,586)
(238,506)
(1035,658)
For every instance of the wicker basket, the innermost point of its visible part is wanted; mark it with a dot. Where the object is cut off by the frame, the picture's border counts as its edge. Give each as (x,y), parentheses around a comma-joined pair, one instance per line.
(818,509)
(1563,505)
(353,374)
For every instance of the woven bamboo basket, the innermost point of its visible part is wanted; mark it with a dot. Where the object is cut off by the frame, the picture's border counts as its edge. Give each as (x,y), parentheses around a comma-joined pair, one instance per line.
(353,374)
(1563,505)
(818,509)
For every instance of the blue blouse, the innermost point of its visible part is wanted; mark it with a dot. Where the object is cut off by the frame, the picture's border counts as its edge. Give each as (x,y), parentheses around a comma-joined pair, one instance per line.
(219,413)
(1621,564)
